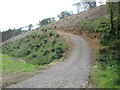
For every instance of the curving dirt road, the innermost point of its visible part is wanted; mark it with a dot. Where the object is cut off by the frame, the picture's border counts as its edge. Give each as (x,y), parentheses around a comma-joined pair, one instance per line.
(71,73)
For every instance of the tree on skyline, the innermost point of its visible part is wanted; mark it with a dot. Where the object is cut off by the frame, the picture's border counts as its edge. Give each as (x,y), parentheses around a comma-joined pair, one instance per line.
(30,27)
(64,14)
(46,21)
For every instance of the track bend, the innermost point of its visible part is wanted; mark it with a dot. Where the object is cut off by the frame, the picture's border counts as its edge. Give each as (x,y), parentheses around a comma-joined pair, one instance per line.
(73,72)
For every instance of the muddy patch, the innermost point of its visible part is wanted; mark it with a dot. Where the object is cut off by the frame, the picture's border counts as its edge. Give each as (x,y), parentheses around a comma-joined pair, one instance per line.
(13,78)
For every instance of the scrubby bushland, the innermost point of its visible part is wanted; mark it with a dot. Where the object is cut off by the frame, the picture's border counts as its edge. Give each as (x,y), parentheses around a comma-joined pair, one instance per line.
(37,49)
(107,74)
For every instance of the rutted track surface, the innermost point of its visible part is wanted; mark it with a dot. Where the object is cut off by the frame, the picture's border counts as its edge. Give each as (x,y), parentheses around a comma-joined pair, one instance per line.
(71,73)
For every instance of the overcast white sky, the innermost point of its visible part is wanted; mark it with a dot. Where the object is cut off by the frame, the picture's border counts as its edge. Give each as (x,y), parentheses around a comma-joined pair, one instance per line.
(20,13)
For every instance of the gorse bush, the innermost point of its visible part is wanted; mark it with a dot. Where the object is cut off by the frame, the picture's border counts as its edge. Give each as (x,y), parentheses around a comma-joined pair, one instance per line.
(37,49)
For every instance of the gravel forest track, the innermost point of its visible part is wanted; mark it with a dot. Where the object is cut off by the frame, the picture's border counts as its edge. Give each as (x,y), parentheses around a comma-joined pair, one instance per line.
(73,72)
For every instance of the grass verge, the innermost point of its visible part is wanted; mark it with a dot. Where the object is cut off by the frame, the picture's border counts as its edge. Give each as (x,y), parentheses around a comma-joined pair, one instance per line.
(104,78)
(14,66)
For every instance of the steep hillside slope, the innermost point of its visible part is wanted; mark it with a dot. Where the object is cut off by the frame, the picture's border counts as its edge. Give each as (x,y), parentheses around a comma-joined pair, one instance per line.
(36,48)
(70,22)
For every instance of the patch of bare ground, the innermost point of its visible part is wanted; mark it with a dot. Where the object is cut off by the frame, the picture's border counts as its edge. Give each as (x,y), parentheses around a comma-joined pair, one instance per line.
(93,40)
(13,78)
(70,22)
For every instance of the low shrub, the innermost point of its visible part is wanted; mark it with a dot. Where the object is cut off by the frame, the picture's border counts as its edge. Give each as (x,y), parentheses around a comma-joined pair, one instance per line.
(38,49)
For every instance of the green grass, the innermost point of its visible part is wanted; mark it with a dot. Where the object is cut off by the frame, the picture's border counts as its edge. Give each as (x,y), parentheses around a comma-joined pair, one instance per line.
(105,79)
(9,65)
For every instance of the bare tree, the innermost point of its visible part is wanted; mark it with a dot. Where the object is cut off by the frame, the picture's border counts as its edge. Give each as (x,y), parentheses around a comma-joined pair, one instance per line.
(111,9)
(77,5)
(84,5)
